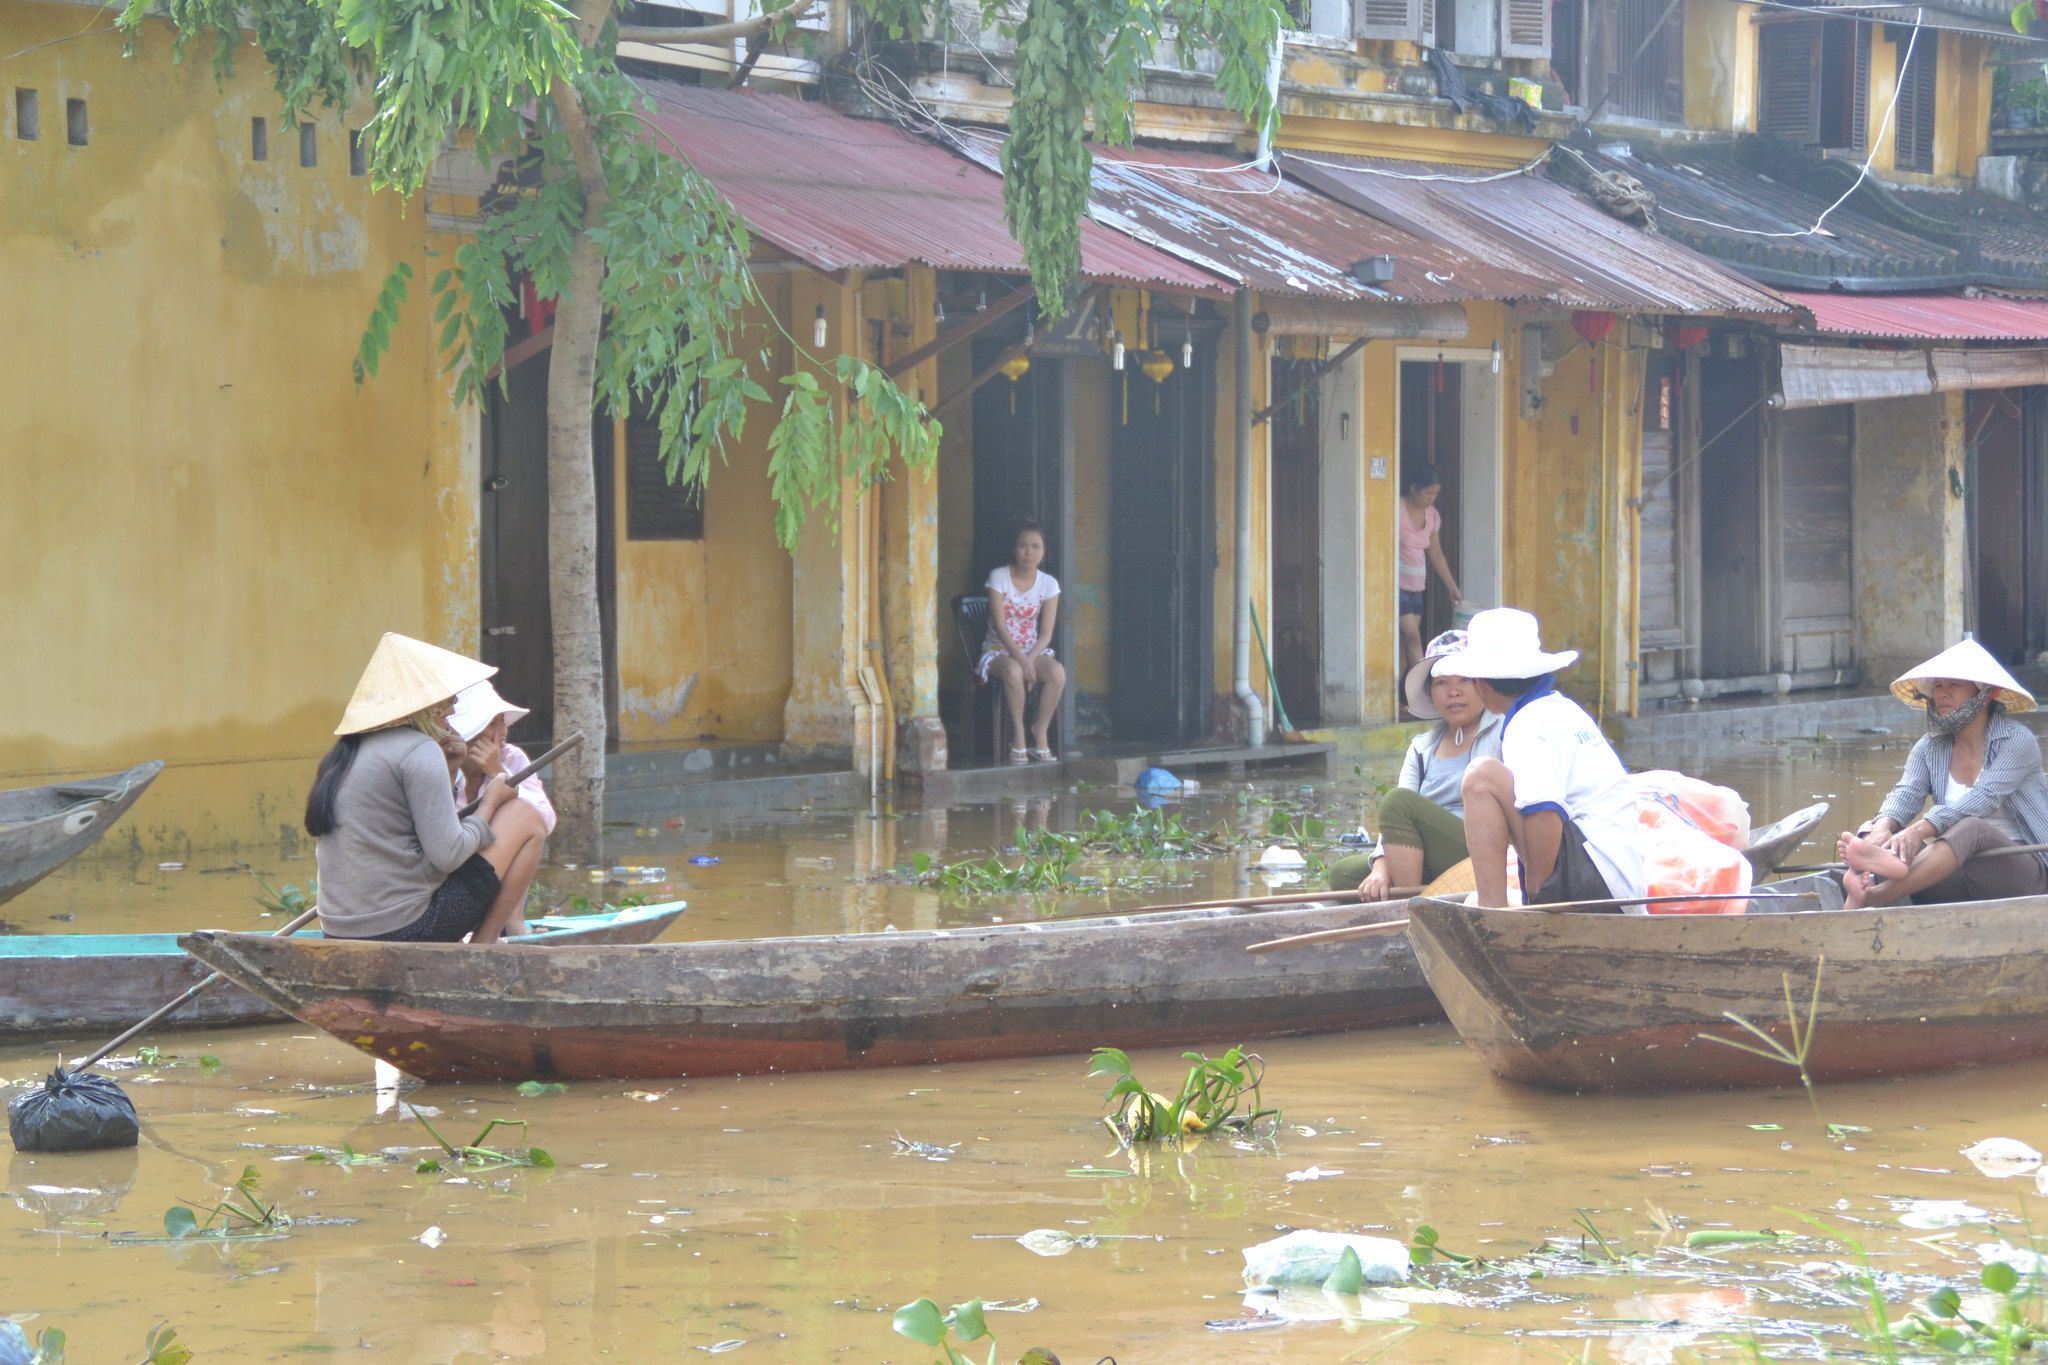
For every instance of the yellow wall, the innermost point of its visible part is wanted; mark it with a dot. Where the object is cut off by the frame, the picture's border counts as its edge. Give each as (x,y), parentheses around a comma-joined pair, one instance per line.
(1098,393)
(717,608)
(1720,65)
(208,523)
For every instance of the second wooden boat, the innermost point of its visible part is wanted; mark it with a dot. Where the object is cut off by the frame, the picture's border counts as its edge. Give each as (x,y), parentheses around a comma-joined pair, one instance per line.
(1169,979)
(42,828)
(1624,1002)
(101,983)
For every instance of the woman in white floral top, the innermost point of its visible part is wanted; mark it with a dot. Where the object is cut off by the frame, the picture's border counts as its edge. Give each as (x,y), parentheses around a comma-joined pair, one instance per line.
(1023,605)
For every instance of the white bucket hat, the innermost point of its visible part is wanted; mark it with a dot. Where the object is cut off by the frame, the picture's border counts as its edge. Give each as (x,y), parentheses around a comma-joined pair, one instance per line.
(1504,642)
(404,676)
(1966,662)
(476,707)
(1420,703)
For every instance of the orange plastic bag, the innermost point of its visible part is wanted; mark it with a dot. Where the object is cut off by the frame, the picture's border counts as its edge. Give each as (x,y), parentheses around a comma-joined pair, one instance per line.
(1718,812)
(1683,858)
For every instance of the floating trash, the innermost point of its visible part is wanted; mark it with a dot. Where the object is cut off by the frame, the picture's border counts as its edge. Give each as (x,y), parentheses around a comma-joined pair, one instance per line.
(433,1237)
(1054,1242)
(1308,1258)
(170,867)
(704,859)
(1277,856)
(1940,1213)
(1312,1173)
(2002,1158)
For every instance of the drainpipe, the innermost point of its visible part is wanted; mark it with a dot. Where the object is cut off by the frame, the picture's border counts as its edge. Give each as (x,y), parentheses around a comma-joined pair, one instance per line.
(1241,541)
(1273,68)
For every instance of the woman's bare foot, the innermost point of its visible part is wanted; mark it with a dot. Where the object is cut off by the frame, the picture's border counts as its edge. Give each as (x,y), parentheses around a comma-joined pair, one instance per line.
(1871,859)
(1855,890)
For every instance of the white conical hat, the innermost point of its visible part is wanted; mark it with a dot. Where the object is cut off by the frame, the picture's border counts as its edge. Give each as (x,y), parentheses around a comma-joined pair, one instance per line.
(406,675)
(1968,662)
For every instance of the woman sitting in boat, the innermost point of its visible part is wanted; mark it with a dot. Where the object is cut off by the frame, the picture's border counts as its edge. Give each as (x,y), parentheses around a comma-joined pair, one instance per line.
(1422,821)
(1982,770)
(480,720)
(395,862)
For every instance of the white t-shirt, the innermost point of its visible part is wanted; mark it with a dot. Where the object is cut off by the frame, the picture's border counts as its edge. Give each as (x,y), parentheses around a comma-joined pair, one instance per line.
(1020,609)
(2002,822)
(1561,762)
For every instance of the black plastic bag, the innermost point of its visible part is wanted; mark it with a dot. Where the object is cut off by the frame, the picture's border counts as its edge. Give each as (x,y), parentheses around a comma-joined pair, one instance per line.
(72,1113)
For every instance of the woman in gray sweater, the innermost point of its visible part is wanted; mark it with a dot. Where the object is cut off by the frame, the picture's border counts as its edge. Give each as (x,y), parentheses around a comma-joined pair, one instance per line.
(395,862)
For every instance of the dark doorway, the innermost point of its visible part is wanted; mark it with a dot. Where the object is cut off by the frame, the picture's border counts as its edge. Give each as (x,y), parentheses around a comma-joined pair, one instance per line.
(1160,557)
(513,550)
(1294,532)
(1730,394)
(1432,433)
(2000,508)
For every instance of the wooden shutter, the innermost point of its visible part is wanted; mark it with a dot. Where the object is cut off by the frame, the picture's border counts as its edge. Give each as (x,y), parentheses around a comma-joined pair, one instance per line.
(1411,21)
(1859,86)
(1914,149)
(1788,80)
(1525,28)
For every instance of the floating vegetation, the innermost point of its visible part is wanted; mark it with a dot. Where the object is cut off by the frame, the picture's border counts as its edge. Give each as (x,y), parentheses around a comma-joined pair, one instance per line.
(474,1156)
(1211,1097)
(239,1214)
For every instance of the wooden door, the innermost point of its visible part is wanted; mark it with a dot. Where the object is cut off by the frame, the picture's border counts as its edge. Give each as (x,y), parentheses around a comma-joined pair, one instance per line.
(1661,626)
(1816,592)
(1433,433)
(1998,514)
(1295,634)
(1159,553)
(1731,513)
(513,552)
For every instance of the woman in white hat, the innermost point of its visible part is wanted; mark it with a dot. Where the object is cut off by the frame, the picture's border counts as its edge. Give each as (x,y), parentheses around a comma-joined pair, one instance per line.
(1981,769)
(480,720)
(394,860)
(1422,821)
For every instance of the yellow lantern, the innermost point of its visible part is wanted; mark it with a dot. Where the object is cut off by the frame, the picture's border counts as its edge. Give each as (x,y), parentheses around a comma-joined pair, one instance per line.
(1156,366)
(1014,369)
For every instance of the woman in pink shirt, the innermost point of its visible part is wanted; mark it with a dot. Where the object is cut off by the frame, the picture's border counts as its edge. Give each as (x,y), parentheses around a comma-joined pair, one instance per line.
(480,720)
(1420,551)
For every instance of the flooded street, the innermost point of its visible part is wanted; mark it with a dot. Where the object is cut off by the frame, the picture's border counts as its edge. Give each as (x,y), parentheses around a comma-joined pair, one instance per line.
(772,1218)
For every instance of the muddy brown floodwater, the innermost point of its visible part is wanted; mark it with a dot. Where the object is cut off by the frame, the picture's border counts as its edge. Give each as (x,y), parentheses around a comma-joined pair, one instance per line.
(771,1218)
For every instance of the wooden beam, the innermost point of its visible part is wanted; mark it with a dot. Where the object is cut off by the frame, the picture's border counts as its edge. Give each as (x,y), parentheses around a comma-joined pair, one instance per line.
(995,366)
(1311,377)
(519,353)
(953,336)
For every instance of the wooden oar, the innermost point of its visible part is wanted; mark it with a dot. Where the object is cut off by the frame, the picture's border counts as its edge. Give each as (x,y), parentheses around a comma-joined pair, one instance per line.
(1987,853)
(1350,931)
(1397,893)
(306,918)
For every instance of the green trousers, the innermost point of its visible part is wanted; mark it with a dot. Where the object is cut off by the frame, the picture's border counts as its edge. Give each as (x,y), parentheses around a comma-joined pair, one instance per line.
(1414,821)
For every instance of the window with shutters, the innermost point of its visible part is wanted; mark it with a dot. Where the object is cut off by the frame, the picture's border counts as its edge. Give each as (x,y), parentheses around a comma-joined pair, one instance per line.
(1408,20)
(655,508)
(1525,28)
(1813,81)
(1625,58)
(1914,118)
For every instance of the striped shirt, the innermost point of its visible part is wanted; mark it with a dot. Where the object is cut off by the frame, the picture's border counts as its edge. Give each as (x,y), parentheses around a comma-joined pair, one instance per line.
(2011,783)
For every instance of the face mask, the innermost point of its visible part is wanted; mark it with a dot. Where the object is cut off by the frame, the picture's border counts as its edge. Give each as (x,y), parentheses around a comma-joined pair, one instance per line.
(1958,720)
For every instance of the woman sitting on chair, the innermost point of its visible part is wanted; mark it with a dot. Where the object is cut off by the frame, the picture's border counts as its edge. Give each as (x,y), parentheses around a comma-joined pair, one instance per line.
(1422,820)
(1982,771)
(1023,604)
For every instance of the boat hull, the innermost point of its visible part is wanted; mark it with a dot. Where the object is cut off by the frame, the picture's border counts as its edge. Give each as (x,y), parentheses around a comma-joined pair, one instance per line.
(1621,1003)
(52,985)
(43,828)
(1173,979)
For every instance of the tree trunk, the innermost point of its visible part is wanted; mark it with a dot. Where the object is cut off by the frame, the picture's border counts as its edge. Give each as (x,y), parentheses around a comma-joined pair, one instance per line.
(572,505)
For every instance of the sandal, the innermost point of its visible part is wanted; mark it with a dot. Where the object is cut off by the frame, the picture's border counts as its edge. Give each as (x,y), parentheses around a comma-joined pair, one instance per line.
(1042,756)
(1020,756)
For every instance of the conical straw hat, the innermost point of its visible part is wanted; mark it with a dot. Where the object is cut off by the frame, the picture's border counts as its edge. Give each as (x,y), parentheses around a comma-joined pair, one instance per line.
(1968,662)
(406,675)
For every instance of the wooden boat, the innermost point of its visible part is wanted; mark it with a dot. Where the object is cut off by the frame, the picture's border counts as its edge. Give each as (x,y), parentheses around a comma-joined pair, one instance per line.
(1769,846)
(101,983)
(42,828)
(1603,1002)
(1163,979)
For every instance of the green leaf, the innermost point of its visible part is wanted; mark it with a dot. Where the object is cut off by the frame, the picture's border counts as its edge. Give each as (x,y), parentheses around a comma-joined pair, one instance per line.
(1999,1278)
(540,1158)
(1945,1302)
(180,1221)
(208,1062)
(1728,1237)
(921,1322)
(1349,1275)
(50,1346)
(532,1088)
(967,1321)
(1426,1236)
(921,863)
(2023,16)
(428,1166)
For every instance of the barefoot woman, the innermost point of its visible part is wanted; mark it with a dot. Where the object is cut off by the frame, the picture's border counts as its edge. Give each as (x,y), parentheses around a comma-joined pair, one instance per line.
(1982,771)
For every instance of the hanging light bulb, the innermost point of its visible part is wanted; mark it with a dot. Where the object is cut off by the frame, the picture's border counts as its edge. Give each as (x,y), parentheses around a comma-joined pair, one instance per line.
(1496,357)
(1343,426)
(1116,353)
(939,311)
(818,328)
(981,302)
(1187,354)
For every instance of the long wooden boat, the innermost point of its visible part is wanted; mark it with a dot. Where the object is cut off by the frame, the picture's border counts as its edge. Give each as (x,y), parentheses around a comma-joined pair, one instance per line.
(42,828)
(1162,979)
(101,983)
(1599,1002)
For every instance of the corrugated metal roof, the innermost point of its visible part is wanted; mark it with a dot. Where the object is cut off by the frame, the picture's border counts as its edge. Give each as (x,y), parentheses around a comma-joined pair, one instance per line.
(1534,228)
(1945,317)
(1259,229)
(842,193)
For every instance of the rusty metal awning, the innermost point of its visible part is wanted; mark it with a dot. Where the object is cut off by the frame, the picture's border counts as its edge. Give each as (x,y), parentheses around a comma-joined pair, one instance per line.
(1530,228)
(1257,229)
(841,193)
(1940,317)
